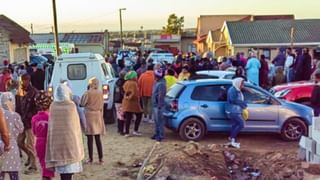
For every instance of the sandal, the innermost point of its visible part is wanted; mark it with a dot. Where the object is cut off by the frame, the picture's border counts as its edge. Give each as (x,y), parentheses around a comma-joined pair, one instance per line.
(88,162)
(101,162)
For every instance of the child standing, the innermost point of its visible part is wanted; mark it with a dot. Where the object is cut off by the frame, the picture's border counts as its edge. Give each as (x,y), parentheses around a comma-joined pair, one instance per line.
(40,130)
(11,159)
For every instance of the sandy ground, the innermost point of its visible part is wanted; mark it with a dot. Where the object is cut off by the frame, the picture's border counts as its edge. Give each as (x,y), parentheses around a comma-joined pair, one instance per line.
(119,149)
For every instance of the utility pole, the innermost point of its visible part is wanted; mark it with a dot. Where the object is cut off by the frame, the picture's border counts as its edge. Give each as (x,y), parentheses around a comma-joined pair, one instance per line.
(55,24)
(292,36)
(121,35)
(31,28)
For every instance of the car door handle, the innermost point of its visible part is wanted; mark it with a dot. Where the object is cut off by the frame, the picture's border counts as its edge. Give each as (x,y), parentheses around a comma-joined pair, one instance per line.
(204,106)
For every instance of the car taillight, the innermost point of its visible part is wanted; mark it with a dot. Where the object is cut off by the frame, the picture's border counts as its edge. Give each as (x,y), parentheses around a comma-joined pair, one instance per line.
(105,91)
(174,105)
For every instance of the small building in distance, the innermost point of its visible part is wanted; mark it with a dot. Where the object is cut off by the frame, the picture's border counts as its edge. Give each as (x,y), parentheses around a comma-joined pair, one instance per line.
(268,35)
(14,41)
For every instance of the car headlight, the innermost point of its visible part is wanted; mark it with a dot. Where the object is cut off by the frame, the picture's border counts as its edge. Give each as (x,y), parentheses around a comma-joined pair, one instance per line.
(282,93)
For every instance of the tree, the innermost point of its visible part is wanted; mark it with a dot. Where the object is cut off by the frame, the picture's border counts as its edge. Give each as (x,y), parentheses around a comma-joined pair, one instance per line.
(174,26)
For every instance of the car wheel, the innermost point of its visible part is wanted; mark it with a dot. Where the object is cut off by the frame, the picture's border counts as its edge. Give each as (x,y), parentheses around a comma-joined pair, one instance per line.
(293,129)
(110,115)
(192,129)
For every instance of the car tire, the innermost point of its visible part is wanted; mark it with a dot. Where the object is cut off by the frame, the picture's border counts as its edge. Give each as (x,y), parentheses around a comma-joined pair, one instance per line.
(293,129)
(110,116)
(192,129)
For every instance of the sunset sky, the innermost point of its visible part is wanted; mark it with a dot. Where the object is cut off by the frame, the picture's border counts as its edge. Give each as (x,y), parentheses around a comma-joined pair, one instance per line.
(97,15)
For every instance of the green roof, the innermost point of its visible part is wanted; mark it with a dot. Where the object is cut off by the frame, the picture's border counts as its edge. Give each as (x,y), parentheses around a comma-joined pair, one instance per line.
(274,32)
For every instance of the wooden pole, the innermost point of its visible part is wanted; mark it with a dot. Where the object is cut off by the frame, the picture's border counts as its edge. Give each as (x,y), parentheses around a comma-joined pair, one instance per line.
(55,25)
(291,36)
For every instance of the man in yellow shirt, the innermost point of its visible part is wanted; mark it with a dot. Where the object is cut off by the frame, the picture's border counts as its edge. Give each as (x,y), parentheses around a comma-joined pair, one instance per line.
(170,78)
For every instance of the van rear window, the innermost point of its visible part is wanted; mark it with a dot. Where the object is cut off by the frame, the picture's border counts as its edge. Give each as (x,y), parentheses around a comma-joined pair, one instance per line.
(77,71)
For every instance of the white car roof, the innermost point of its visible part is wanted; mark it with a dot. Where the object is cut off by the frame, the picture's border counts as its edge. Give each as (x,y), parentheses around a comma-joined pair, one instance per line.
(218,73)
(80,56)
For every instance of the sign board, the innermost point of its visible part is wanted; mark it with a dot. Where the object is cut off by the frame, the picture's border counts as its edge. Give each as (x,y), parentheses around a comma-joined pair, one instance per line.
(49,48)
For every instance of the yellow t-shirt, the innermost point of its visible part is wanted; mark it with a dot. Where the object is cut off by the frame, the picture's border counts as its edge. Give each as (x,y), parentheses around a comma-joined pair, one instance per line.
(170,81)
(183,76)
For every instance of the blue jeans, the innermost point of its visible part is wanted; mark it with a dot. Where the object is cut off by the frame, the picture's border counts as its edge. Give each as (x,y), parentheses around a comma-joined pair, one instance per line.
(159,122)
(237,124)
(290,74)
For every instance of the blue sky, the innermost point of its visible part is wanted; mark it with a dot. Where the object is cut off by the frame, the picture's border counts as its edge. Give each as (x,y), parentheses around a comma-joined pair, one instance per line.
(97,15)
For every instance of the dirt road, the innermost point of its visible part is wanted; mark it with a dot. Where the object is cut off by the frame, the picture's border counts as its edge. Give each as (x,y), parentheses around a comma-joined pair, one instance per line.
(120,151)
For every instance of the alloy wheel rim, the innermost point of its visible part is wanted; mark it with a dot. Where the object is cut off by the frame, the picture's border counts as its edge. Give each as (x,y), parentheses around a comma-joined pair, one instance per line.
(193,130)
(293,131)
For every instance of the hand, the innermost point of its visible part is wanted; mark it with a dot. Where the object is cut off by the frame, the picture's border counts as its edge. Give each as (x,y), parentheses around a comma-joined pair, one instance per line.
(7,148)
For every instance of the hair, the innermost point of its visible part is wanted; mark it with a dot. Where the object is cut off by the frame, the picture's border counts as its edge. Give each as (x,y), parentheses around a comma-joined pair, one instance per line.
(171,72)
(239,71)
(26,77)
(263,56)
(150,67)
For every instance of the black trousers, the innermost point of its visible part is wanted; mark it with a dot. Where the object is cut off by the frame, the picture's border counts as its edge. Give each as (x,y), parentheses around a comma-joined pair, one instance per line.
(128,117)
(66,176)
(120,126)
(98,144)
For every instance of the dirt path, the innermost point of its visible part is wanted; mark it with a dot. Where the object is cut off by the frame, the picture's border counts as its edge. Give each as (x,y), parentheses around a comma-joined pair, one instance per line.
(120,151)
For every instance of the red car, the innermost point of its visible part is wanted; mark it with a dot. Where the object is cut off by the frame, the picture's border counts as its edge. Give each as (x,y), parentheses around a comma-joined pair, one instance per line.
(299,92)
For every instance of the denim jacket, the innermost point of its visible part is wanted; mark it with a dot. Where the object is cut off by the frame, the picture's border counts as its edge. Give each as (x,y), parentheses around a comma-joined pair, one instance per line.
(159,93)
(235,103)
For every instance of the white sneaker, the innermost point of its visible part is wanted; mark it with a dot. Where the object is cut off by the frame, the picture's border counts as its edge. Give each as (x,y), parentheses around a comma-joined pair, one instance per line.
(126,135)
(144,119)
(235,145)
(151,121)
(136,133)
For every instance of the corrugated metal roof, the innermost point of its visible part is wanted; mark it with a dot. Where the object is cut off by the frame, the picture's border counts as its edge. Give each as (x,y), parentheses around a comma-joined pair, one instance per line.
(45,37)
(84,38)
(274,31)
(17,33)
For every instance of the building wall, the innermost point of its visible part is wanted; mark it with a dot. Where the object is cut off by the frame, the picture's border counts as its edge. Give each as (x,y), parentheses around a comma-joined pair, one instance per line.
(187,45)
(176,45)
(18,53)
(94,48)
(4,46)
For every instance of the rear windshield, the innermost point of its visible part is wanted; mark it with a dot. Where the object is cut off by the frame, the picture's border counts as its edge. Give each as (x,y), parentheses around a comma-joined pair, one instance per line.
(77,71)
(175,90)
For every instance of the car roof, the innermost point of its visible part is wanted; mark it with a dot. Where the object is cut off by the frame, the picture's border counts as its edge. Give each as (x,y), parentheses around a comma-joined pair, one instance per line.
(206,81)
(162,54)
(212,82)
(80,57)
(215,72)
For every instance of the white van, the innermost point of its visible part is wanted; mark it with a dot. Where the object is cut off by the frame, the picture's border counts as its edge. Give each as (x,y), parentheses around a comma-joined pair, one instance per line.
(161,57)
(78,69)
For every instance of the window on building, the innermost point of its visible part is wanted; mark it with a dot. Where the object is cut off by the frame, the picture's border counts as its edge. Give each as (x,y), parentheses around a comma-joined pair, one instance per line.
(77,71)
(266,53)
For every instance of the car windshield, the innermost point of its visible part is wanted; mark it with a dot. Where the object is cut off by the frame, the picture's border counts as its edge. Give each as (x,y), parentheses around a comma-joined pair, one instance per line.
(175,90)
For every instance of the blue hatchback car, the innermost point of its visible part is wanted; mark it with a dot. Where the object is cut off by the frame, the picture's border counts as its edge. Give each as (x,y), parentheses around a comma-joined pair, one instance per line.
(194,108)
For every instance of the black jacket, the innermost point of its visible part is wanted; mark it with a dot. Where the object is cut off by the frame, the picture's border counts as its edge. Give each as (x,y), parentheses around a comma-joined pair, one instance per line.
(26,107)
(315,97)
(37,79)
